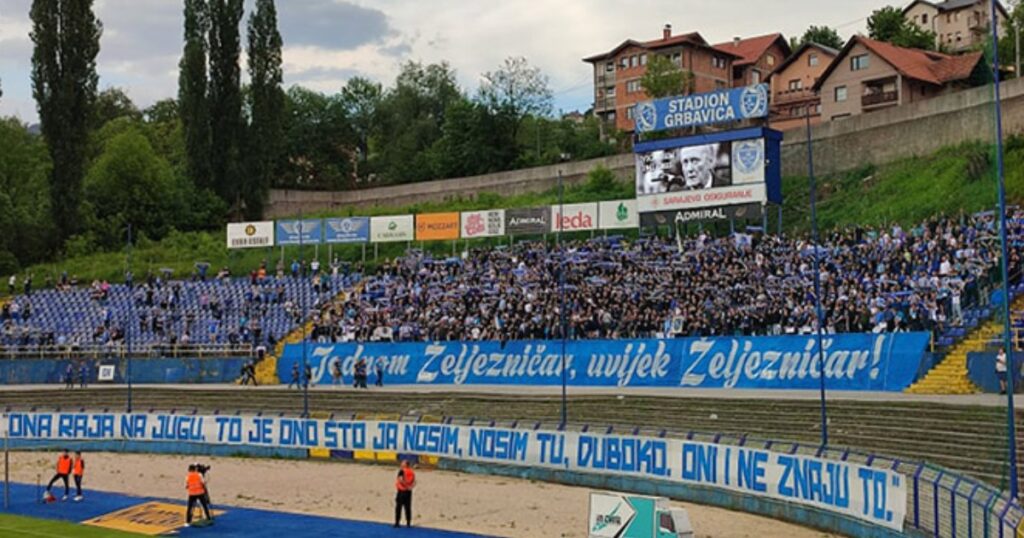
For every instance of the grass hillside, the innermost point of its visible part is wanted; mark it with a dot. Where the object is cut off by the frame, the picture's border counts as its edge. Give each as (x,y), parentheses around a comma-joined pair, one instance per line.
(906,191)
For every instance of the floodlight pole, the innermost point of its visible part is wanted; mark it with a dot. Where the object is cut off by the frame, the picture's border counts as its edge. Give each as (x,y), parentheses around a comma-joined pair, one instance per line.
(561,287)
(131,319)
(302,319)
(819,314)
(1011,426)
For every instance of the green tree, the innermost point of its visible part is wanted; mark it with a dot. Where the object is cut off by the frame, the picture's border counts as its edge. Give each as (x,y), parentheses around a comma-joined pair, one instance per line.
(225,98)
(267,106)
(193,96)
(822,35)
(130,184)
(361,99)
(316,153)
(514,91)
(665,79)
(411,117)
(888,24)
(25,223)
(66,38)
(113,103)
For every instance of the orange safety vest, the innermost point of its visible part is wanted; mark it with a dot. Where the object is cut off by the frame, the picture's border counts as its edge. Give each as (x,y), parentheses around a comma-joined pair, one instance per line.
(194,483)
(64,465)
(408,483)
(79,467)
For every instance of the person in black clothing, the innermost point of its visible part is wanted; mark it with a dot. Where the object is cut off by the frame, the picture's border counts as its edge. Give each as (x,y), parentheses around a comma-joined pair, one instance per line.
(295,376)
(360,374)
(380,374)
(307,375)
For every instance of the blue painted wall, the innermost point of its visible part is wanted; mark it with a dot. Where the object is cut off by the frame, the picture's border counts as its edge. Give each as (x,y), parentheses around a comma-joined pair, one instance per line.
(155,370)
(981,370)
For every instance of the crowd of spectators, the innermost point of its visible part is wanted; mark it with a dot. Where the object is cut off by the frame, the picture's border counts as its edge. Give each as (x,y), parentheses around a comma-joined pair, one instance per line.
(871,280)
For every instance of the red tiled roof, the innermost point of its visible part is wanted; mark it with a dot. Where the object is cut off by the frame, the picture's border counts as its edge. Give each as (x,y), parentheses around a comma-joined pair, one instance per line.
(932,67)
(749,50)
(692,38)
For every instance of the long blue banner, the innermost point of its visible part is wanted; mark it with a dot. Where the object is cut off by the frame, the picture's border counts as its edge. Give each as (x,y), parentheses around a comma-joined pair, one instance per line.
(684,111)
(878,496)
(295,232)
(347,230)
(878,362)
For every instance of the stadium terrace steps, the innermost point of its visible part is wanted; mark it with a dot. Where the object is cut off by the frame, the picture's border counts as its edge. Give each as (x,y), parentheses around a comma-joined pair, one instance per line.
(950,375)
(970,439)
(266,370)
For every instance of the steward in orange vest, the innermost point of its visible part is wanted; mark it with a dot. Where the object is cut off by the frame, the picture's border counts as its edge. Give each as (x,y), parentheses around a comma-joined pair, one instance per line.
(63,470)
(78,469)
(404,483)
(196,493)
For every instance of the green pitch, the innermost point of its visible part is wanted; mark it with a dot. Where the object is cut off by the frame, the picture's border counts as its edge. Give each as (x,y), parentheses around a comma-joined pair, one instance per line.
(19,526)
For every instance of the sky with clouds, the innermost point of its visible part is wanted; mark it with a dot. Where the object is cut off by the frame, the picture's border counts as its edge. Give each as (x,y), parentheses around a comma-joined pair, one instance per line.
(326,42)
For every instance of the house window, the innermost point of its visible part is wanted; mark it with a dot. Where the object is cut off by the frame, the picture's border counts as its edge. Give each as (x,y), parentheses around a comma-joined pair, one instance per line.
(609,67)
(947,18)
(632,61)
(755,76)
(610,91)
(840,116)
(718,62)
(958,37)
(769,59)
(643,59)
(796,84)
(817,108)
(611,116)
(859,62)
(924,18)
(949,37)
(629,112)
(840,94)
(812,59)
(677,58)
(633,86)
(624,63)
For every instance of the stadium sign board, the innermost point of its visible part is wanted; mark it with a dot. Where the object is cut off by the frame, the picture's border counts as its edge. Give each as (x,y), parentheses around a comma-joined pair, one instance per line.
(617,215)
(528,221)
(392,229)
(683,111)
(875,495)
(490,223)
(574,217)
(347,230)
(717,169)
(709,214)
(437,226)
(299,232)
(251,234)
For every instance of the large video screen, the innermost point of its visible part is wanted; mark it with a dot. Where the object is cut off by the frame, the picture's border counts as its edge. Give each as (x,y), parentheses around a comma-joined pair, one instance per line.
(700,167)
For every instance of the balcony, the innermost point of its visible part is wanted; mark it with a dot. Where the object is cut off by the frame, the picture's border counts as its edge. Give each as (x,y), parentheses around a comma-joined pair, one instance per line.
(792,96)
(879,98)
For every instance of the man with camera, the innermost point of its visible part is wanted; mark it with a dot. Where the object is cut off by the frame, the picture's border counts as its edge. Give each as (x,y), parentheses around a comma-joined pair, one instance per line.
(197,493)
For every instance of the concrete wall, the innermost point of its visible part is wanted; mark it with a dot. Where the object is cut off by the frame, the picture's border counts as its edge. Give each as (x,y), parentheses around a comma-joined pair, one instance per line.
(897,132)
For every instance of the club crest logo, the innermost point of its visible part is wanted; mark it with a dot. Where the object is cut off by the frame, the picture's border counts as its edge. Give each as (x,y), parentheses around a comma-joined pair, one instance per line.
(748,156)
(646,116)
(754,101)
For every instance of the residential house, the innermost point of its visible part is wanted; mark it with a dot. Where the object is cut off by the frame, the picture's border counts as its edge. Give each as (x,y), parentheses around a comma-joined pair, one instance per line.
(792,86)
(869,75)
(758,57)
(617,73)
(959,25)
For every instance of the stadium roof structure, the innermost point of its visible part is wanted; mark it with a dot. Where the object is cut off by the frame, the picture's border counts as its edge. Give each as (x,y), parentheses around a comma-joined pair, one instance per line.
(751,49)
(693,39)
(922,65)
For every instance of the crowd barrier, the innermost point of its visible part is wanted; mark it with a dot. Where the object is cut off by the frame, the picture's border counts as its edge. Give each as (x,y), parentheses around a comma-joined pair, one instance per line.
(877,362)
(836,490)
(144,370)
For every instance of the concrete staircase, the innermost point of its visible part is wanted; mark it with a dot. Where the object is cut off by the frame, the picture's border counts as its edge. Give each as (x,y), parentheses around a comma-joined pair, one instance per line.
(950,375)
(266,370)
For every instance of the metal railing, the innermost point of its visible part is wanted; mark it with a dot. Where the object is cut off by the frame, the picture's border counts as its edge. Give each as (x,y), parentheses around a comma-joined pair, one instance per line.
(99,351)
(879,98)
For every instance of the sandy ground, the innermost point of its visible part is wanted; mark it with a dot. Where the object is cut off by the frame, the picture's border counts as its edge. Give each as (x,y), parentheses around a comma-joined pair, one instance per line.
(447,500)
